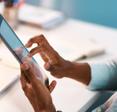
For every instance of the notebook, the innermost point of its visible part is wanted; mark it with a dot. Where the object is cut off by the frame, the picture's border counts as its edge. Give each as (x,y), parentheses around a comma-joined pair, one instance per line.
(40,16)
(71,47)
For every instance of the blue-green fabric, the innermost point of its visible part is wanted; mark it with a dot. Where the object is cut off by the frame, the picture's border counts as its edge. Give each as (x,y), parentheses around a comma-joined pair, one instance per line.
(104,77)
(112,107)
(99,109)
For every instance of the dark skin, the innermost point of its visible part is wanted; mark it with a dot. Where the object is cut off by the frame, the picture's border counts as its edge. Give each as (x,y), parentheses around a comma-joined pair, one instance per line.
(36,92)
(57,66)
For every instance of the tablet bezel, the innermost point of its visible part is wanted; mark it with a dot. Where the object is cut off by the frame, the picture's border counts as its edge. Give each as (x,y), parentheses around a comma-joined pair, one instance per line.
(7,44)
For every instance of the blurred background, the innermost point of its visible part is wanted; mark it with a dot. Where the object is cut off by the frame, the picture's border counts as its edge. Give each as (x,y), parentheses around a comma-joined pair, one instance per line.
(72,39)
(102,12)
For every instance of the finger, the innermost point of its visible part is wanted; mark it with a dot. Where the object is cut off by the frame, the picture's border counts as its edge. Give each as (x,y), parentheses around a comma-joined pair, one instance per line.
(42,42)
(30,73)
(34,80)
(52,86)
(48,66)
(25,71)
(24,66)
(36,39)
(23,82)
(35,51)
(51,55)
(29,91)
(44,57)
(22,69)
(48,52)
(40,51)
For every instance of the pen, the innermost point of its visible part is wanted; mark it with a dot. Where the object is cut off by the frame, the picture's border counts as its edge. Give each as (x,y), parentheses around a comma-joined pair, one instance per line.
(91,54)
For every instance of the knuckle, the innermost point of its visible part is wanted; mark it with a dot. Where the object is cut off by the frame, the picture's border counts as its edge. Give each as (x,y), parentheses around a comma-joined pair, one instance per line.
(41,37)
(31,40)
(53,73)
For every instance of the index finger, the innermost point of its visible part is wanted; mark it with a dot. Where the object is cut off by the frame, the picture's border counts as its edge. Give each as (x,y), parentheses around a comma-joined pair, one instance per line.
(37,39)
(46,49)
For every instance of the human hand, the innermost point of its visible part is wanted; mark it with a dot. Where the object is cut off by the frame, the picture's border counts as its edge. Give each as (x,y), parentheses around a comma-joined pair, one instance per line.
(54,63)
(35,90)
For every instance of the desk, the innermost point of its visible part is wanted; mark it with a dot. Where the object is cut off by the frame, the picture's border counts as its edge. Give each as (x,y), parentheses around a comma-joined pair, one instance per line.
(69,96)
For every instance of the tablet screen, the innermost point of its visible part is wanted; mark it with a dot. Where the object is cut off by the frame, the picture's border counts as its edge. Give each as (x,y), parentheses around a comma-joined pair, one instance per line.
(12,42)
(17,48)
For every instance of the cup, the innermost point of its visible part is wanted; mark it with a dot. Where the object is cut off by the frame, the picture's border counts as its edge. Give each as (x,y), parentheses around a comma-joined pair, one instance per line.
(11,16)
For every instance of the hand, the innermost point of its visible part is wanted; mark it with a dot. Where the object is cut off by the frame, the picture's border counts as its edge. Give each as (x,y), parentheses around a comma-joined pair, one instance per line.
(58,66)
(35,90)
(53,61)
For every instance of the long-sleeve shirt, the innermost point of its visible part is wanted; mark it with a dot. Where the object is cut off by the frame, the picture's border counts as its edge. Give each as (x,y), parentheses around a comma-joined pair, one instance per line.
(104,77)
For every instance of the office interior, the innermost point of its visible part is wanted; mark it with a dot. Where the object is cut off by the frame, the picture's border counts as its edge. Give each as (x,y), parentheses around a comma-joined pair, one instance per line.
(100,13)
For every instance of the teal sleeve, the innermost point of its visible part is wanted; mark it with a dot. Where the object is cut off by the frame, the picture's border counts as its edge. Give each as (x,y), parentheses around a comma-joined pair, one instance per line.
(103,75)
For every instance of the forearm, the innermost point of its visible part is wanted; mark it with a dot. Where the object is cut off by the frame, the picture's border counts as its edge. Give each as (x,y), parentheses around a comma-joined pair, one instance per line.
(48,109)
(80,72)
(99,76)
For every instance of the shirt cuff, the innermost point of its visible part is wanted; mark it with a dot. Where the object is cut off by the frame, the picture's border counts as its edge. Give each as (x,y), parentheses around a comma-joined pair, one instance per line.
(103,76)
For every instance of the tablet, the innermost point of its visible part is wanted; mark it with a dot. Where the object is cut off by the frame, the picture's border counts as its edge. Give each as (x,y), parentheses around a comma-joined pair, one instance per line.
(15,46)
(11,40)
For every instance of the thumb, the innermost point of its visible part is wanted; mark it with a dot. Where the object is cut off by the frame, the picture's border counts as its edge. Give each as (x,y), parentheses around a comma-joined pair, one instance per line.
(48,66)
(52,86)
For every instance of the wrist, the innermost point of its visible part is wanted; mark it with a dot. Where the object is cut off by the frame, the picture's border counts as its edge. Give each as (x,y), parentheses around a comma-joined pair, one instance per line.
(71,68)
(50,108)
(68,68)
(80,72)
